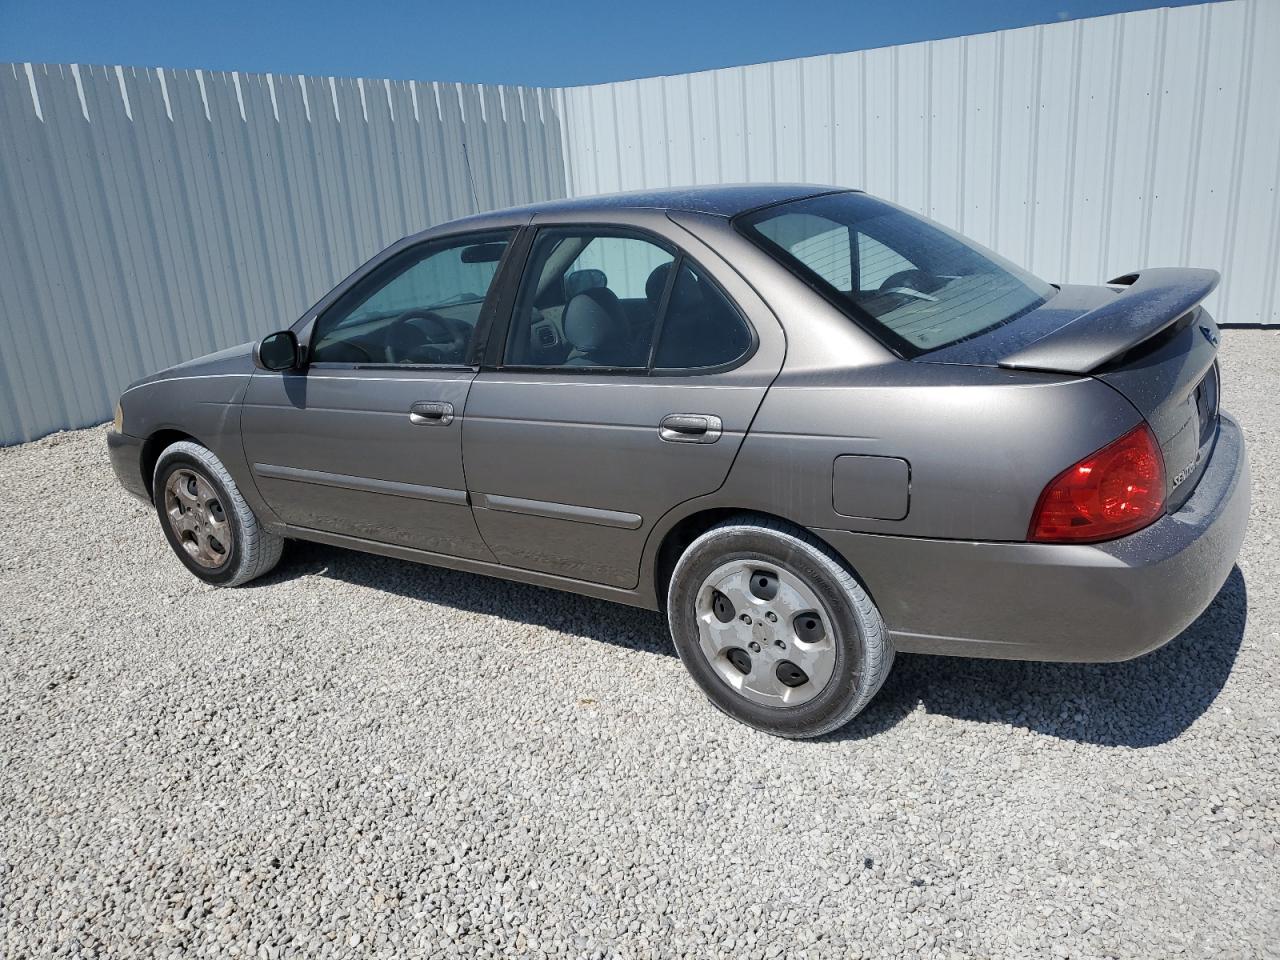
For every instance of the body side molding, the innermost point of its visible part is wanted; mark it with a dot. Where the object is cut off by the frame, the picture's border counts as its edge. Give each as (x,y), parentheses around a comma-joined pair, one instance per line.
(415,491)
(558,511)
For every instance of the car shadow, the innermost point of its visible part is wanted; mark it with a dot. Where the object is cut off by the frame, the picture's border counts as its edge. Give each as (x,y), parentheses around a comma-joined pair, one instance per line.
(1138,703)
(587,617)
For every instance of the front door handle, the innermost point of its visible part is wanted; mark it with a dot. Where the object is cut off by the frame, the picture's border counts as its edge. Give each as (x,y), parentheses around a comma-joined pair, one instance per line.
(690,428)
(427,412)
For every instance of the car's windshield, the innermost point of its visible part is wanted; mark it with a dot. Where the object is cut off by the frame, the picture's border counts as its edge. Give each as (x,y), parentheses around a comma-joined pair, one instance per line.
(913,283)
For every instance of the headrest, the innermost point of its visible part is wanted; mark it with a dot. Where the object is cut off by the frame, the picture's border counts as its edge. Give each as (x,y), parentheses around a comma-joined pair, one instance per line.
(579,280)
(594,320)
(685,295)
(656,283)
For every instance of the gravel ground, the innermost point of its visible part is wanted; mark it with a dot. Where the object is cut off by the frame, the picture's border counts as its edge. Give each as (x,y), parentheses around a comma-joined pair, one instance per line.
(359,757)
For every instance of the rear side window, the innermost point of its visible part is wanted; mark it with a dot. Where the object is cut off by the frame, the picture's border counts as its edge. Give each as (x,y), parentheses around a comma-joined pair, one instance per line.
(911,282)
(700,327)
(586,301)
(624,264)
(608,299)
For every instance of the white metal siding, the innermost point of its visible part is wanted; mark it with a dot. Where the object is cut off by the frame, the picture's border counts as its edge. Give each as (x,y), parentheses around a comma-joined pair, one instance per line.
(149,216)
(1081,150)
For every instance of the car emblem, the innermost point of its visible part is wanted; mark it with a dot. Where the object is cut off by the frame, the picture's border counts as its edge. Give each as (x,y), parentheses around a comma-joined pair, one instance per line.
(1186,471)
(1209,335)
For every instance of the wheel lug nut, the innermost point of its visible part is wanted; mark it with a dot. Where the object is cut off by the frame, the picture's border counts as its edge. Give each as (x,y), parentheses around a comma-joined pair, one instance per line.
(755,647)
(771,616)
(745,618)
(779,644)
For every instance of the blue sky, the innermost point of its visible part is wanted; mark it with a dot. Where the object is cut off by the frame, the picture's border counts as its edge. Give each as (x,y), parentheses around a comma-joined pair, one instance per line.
(536,42)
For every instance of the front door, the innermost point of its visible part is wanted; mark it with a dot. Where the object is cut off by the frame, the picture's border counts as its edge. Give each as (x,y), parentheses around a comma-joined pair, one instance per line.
(626,384)
(366,442)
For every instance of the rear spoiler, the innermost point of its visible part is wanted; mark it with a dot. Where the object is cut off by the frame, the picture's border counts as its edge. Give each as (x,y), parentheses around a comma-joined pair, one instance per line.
(1155,298)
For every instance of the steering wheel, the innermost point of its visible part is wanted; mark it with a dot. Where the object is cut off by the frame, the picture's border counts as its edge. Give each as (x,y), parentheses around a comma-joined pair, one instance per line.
(444,337)
(912,283)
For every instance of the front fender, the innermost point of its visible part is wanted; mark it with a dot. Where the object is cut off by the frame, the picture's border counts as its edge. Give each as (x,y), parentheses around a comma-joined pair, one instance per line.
(200,399)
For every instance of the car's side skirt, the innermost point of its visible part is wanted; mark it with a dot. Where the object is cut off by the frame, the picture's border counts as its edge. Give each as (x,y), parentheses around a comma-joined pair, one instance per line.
(617,594)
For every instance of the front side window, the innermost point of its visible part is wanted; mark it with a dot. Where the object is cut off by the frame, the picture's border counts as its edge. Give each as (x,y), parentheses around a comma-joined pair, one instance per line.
(420,307)
(913,283)
(593,299)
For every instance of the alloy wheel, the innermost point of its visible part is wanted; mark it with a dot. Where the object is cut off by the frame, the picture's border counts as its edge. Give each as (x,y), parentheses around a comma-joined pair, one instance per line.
(197,518)
(766,633)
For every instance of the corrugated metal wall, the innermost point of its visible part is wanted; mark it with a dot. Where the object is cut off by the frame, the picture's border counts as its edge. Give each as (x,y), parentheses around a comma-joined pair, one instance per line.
(1082,150)
(148,216)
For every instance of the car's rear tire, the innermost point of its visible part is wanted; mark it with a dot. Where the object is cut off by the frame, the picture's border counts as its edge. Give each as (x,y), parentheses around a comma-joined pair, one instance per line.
(775,629)
(206,521)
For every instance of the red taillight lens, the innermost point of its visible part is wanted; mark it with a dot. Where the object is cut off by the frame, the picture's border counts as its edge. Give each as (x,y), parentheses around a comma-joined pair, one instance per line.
(1117,490)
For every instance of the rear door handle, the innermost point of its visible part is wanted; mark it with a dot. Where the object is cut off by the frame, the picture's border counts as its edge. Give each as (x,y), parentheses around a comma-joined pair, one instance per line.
(690,428)
(427,412)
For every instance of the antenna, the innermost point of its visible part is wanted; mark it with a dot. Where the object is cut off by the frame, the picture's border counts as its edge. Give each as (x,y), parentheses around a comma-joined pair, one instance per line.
(466,158)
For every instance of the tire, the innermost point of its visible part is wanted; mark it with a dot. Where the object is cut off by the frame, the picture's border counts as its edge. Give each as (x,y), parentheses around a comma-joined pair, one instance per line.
(203,510)
(847,650)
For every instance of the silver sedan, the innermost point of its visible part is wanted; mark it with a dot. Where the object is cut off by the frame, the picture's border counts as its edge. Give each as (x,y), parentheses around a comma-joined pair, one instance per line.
(811,426)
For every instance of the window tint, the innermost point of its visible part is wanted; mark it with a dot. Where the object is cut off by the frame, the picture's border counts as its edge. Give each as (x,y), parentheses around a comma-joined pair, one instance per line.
(915,283)
(818,243)
(420,307)
(700,328)
(877,263)
(590,299)
(626,263)
(587,300)
(822,245)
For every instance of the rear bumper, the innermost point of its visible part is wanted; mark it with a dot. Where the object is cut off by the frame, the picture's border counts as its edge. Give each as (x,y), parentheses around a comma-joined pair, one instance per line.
(126,460)
(1067,602)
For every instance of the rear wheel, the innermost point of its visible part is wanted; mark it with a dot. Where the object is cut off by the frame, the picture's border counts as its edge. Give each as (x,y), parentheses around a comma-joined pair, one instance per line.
(206,520)
(775,629)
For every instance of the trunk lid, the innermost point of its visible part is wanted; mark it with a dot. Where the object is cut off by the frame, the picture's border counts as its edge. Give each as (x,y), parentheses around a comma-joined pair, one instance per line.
(1146,336)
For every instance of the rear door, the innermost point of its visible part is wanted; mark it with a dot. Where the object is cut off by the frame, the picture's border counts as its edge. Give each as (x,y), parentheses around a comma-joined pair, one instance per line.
(366,442)
(633,364)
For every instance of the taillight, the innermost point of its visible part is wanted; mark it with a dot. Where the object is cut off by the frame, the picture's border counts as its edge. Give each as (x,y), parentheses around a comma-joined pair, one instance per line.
(1115,491)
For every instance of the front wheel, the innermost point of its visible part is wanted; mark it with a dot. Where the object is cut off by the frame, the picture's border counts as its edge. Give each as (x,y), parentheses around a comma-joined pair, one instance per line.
(775,629)
(206,520)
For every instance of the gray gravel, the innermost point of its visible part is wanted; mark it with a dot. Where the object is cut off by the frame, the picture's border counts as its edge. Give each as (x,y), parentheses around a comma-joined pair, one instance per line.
(359,756)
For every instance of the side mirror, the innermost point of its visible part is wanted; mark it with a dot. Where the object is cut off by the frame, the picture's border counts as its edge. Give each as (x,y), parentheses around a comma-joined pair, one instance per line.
(277,351)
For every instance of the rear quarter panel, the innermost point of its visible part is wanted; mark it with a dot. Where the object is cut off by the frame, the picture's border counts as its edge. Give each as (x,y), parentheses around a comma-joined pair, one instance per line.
(980,444)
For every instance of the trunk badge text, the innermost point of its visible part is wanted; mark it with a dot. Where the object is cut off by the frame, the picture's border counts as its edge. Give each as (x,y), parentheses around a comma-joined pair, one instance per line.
(1186,471)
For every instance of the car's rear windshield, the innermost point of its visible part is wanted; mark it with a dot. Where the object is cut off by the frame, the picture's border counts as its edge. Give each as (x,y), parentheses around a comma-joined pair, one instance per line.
(914,284)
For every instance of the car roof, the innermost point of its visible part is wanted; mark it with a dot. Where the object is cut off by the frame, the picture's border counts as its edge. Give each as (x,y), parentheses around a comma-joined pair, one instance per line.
(723,200)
